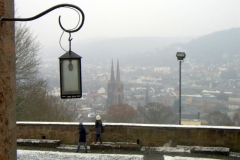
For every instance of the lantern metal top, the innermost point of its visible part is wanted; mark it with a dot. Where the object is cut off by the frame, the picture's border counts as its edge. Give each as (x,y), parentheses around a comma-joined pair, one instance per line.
(180,55)
(70,55)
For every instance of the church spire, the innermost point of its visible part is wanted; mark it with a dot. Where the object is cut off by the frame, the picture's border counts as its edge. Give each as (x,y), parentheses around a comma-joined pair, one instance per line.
(115,88)
(118,73)
(112,73)
(147,95)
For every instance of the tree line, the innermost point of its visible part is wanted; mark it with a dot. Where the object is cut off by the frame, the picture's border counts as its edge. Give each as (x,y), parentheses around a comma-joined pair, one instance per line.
(157,113)
(33,101)
(151,113)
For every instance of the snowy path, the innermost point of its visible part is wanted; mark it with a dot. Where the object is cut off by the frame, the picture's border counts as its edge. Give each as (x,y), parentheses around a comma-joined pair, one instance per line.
(49,155)
(46,155)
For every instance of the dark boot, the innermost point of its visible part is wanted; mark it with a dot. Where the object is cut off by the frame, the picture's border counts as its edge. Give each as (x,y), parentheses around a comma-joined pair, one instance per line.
(100,140)
(78,147)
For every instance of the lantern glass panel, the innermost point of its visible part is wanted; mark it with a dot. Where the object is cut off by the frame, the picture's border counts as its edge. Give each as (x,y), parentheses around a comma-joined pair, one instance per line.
(70,77)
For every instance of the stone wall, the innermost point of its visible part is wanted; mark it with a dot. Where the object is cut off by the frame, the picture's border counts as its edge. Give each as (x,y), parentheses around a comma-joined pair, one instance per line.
(149,135)
(7,83)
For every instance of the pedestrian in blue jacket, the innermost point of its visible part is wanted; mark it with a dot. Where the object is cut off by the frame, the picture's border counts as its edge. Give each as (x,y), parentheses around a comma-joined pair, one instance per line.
(82,137)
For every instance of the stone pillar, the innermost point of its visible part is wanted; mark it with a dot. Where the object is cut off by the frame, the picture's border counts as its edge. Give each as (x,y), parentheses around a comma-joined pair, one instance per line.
(8,144)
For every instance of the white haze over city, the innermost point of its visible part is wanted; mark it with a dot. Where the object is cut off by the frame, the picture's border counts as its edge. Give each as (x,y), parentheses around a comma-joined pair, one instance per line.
(129,18)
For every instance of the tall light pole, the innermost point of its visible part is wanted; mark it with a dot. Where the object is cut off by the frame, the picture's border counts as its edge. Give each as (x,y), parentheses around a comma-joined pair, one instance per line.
(180,56)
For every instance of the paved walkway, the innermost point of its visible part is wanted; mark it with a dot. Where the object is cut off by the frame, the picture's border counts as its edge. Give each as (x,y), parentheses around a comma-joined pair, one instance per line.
(157,153)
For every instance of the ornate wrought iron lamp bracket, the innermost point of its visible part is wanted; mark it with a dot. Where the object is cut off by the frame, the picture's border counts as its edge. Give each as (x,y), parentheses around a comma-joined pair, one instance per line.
(70,62)
(47,11)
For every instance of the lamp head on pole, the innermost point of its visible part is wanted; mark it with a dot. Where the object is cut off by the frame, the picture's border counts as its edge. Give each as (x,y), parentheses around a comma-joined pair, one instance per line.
(70,75)
(180,55)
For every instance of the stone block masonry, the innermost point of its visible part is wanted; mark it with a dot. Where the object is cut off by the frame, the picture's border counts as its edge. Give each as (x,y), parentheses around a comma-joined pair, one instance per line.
(8,142)
(148,134)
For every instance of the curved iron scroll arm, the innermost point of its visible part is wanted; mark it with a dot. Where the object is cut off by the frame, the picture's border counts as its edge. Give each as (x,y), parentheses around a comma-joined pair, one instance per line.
(47,11)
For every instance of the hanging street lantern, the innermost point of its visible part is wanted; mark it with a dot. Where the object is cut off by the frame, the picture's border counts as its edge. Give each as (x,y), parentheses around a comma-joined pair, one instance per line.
(70,62)
(70,75)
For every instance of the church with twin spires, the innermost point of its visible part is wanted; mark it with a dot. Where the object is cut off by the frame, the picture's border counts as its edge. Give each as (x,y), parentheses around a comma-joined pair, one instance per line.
(115,93)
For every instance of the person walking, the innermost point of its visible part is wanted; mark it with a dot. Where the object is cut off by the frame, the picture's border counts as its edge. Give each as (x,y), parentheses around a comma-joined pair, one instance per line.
(82,137)
(98,127)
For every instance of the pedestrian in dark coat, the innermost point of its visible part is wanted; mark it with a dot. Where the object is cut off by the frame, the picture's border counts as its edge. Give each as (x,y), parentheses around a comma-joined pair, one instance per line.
(98,127)
(82,137)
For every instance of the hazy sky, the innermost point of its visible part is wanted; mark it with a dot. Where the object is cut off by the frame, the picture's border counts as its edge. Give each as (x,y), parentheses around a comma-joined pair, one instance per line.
(131,18)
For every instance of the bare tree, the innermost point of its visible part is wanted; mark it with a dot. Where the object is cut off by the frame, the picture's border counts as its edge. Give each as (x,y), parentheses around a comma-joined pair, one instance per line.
(33,101)
(27,63)
(27,49)
(218,118)
(60,110)
(236,118)
(121,113)
(157,113)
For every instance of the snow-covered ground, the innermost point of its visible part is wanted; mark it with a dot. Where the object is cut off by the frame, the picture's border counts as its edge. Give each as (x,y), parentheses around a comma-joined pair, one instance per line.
(67,152)
(50,155)
(185,158)
(166,149)
(47,155)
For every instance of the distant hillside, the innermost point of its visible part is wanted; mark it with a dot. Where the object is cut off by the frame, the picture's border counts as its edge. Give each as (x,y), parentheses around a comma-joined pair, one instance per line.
(122,48)
(214,45)
(210,47)
(158,51)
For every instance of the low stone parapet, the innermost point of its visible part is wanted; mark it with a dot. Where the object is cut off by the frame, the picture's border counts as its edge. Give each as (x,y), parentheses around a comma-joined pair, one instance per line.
(217,150)
(38,143)
(234,154)
(149,135)
(116,145)
(207,150)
